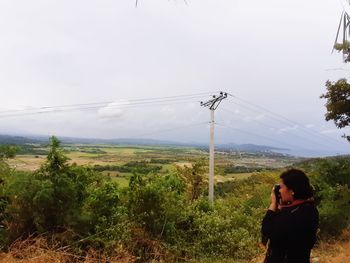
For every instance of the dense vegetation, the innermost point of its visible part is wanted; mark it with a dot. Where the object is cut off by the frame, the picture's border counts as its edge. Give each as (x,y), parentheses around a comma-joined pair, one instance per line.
(159,215)
(140,167)
(242,169)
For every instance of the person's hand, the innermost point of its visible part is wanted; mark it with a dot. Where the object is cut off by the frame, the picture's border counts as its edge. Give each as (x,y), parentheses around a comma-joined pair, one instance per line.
(273,205)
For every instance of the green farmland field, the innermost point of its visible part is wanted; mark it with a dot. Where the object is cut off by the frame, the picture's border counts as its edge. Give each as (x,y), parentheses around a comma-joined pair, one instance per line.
(168,158)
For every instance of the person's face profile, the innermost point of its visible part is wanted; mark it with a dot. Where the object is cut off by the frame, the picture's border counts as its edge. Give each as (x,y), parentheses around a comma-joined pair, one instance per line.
(286,193)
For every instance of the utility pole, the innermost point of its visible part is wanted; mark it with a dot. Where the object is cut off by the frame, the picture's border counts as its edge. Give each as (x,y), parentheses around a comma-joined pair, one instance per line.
(212,105)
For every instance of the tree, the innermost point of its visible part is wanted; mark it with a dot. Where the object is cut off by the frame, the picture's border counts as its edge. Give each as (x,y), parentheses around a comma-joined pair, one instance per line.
(51,199)
(194,178)
(338,103)
(8,151)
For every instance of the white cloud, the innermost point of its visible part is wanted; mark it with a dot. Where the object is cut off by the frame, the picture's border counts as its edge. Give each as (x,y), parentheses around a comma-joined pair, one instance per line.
(113,110)
(309,126)
(71,52)
(288,128)
(330,131)
(167,110)
(254,118)
(259,117)
(247,119)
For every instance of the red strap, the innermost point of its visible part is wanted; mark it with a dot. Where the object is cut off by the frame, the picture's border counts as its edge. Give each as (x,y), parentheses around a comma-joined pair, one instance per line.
(295,202)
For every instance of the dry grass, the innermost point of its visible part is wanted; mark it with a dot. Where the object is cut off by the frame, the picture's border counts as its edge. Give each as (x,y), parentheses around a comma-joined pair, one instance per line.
(37,250)
(335,251)
(325,252)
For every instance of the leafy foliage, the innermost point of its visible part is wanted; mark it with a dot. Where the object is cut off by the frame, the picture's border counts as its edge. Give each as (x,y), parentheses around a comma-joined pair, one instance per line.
(154,203)
(49,200)
(331,180)
(338,103)
(130,167)
(242,169)
(108,218)
(8,151)
(345,46)
(194,178)
(159,216)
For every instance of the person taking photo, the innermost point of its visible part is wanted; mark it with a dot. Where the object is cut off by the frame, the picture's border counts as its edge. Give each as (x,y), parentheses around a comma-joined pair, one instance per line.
(292,219)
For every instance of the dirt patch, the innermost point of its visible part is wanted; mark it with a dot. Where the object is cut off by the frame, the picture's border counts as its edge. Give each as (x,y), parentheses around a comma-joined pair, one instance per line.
(183,164)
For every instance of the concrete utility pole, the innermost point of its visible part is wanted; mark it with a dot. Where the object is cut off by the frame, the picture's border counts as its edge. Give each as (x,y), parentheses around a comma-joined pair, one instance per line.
(212,105)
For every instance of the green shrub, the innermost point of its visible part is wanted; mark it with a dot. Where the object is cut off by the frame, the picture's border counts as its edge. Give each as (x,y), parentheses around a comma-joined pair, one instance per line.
(141,167)
(156,203)
(158,215)
(331,180)
(334,209)
(107,216)
(50,200)
(227,231)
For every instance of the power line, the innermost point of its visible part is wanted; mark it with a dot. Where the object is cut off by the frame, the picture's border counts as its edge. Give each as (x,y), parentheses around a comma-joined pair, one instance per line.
(283,119)
(202,94)
(98,105)
(258,135)
(122,99)
(94,108)
(212,104)
(322,144)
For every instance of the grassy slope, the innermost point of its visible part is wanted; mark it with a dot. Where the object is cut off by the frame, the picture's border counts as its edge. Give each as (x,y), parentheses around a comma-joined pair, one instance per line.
(325,252)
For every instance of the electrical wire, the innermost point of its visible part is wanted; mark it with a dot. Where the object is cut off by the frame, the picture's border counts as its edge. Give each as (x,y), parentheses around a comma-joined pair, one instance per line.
(321,144)
(98,105)
(283,119)
(129,100)
(96,108)
(150,102)
(258,135)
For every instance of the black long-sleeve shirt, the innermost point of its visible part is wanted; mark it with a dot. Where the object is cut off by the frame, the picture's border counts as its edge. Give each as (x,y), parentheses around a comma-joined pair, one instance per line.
(292,233)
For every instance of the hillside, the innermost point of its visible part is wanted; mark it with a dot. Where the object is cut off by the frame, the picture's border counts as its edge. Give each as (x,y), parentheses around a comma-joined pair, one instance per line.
(92,202)
(229,147)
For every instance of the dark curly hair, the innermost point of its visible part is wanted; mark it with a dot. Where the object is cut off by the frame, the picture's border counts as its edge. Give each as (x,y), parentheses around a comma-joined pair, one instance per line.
(297,181)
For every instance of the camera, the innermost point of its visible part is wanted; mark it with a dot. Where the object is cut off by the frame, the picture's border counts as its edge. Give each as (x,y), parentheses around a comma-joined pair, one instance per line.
(276,189)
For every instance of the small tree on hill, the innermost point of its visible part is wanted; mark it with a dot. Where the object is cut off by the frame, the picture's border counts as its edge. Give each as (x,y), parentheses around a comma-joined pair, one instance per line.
(51,199)
(338,103)
(8,151)
(194,178)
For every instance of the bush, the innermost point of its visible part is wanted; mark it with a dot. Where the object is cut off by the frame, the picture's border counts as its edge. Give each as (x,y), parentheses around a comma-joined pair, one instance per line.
(226,231)
(130,167)
(334,209)
(165,216)
(50,200)
(331,180)
(107,216)
(8,151)
(156,203)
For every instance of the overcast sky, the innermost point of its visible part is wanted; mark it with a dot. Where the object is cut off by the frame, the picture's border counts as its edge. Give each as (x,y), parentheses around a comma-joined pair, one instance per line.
(275,54)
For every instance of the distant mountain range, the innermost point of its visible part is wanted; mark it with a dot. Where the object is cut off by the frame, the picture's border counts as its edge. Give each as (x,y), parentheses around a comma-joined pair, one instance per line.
(249,147)
(20,140)
(226,147)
